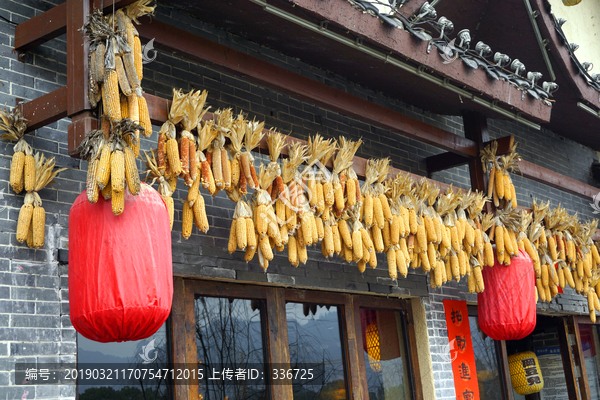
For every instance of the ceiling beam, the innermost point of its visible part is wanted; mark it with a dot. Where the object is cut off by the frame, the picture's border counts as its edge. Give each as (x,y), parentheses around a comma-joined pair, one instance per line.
(205,51)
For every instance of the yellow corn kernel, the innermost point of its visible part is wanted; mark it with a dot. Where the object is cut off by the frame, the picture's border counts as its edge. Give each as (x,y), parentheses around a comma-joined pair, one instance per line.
(103,170)
(252,240)
(38,222)
(240,232)
(200,218)
(17,166)
(144,116)
(357,245)
(170,208)
(137,57)
(345,233)
(293,251)
(110,96)
(265,248)
(232,243)
(29,169)
(368,211)
(187,220)
(131,172)
(392,266)
(422,237)
(337,240)
(378,215)
(401,263)
(366,240)
(378,238)
(118,202)
(117,171)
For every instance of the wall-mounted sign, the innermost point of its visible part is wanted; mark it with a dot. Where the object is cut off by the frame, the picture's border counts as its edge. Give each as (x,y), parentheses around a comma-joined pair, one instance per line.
(461,350)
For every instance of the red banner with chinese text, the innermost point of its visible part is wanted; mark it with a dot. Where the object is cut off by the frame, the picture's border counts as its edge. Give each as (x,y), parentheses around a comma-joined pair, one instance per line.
(461,350)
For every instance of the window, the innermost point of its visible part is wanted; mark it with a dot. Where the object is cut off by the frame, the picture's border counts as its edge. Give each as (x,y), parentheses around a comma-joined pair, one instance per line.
(93,355)
(233,325)
(385,354)
(486,362)
(229,336)
(314,338)
(590,345)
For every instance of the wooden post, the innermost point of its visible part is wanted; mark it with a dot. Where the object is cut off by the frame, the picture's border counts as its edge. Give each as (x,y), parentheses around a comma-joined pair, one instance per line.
(277,336)
(78,106)
(567,358)
(178,332)
(476,129)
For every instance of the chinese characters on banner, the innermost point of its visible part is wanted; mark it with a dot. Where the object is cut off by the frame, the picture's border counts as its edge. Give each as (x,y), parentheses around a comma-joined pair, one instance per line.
(461,350)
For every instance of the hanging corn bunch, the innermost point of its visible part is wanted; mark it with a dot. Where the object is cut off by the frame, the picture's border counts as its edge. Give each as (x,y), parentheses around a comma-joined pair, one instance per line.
(334,188)
(22,164)
(500,186)
(91,149)
(242,234)
(206,135)
(167,153)
(32,216)
(218,155)
(156,173)
(254,134)
(265,220)
(505,238)
(316,174)
(276,142)
(194,111)
(288,206)
(236,137)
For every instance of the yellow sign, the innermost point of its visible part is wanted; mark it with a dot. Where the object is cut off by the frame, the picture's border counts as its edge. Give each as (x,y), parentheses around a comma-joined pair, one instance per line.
(525,373)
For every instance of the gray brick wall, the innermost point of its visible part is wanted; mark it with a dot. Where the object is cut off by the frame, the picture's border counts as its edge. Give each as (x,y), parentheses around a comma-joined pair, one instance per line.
(34,310)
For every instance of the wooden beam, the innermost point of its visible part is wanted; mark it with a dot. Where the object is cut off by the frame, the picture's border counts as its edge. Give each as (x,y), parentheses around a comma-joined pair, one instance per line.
(556,180)
(262,72)
(447,160)
(46,109)
(51,24)
(41,28)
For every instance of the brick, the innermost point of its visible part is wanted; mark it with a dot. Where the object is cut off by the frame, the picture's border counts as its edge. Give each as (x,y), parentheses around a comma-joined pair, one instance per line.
(280,279)
(21,293)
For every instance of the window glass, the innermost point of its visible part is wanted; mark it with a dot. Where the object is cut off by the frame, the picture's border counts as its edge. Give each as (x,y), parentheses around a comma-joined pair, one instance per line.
(385,355)
(93,355)
(590,344)
(229,336)
(314,338)
(486,362)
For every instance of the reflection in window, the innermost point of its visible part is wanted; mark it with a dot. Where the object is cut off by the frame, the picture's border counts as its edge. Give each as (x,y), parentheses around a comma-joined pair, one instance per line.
(314,338)
(229,335)
(385,355)
(123,355)
(590,344)
(486,362)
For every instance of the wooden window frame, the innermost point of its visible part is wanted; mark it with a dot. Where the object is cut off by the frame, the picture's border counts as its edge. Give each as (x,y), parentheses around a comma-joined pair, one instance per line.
(501,359)
(183,336)
(584,387)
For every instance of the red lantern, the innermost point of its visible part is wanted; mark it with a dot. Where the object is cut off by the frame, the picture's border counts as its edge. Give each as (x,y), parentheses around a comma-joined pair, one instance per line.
(120,267)
(506,308)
